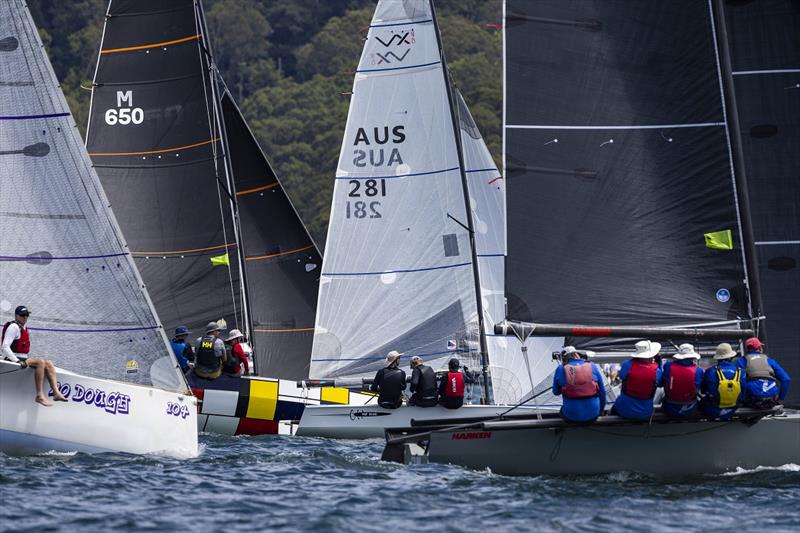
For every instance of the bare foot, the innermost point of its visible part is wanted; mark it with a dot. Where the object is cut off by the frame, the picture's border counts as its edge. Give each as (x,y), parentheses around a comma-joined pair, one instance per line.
(60,398)
(41,400)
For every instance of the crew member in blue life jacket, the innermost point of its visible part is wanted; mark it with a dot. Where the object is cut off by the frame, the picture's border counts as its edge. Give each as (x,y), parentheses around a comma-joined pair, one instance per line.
(640,377)
(723,385)
(767,383)
(210,353)
(681,380)
(423,384)
(581,384)
(451,389)
(390,382)
(181,348)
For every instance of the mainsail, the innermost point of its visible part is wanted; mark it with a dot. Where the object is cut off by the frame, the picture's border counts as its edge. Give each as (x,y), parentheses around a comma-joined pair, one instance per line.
(61,251)
(398,271)
(765,62)
(617,156)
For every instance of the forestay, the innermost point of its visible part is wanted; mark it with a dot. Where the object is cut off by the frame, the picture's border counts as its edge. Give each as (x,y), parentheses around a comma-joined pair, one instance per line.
(397,272)
(61,252)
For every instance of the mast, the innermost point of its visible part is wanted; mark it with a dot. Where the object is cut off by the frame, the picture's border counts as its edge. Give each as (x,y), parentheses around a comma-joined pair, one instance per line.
(731,110)
(470,227)
(230,188)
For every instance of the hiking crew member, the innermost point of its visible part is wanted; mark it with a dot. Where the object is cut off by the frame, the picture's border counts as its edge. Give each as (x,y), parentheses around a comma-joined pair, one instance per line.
(236,357)
(423,384)
(581,384)
(640,377)
(763,375)
(210,353)
(723,385)
(181,348)
(15,345)
(451,390)
(390,382)
(681,380)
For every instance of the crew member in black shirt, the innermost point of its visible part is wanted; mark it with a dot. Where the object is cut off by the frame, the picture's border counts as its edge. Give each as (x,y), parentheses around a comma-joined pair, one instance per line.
(390,382)
(423,384)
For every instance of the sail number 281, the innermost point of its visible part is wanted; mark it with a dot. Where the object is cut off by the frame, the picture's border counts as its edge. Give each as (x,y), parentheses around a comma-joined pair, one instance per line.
(369,189)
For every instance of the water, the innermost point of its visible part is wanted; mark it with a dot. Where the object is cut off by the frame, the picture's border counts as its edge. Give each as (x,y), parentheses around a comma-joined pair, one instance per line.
(285,483)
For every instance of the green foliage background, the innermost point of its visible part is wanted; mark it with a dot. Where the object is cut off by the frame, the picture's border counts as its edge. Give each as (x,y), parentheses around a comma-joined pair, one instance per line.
(288,63)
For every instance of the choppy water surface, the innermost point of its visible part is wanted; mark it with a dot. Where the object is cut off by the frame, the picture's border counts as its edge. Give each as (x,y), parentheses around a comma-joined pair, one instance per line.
(273,483)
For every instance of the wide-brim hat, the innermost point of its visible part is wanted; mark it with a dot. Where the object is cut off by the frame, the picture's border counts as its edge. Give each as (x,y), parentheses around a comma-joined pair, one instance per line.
(686,351)
(392,356)
(234,334)
(646,350)
(182,330)
(724,351)
(212,326)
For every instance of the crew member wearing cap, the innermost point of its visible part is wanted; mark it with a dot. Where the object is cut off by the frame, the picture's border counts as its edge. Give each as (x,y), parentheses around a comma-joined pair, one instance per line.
(723,385)
(640,377)
(210,353)
(390,382)
(236,355)
(767,383)
(182,349)
(423,384)
(16,344)
(681,380)
(581,384)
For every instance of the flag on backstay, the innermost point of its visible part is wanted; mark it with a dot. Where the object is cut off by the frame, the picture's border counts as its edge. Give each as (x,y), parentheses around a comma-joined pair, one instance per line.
(221,260)
(720,240)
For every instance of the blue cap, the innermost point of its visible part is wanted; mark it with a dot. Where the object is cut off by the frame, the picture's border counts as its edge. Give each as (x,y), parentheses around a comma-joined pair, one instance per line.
(182,330)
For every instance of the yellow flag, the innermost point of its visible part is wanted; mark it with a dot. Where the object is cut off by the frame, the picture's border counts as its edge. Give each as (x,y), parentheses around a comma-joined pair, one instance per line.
(720,240)
(221,260)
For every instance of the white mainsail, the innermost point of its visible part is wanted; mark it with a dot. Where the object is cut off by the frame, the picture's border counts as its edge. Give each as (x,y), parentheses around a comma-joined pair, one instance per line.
(397,272)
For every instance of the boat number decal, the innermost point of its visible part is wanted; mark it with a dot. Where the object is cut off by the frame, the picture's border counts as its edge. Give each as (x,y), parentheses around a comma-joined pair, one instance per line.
(176,409)
(370,189)
(723,295)
(358,414)
(472,435)
(125,113)
(113,402)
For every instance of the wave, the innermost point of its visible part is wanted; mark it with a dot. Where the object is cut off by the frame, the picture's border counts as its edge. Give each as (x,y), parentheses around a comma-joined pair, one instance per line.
(791,467)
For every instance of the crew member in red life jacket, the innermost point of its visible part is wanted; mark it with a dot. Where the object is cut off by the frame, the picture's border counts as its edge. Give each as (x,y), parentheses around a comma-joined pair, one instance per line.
(640,377)
(236,358)
(16,344)
(681,380)
(451,389)
(763,375)
(581,384)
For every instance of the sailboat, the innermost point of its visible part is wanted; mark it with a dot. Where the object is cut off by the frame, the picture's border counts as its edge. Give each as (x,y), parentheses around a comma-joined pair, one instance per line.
(416,242)
(62,254)
(628,207)
(209,225)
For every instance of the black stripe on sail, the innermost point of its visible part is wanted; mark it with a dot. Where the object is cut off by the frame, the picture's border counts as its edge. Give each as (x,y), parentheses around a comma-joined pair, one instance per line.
(32,150)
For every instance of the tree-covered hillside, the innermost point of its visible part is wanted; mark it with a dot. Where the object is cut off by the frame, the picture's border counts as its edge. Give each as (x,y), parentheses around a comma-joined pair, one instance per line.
(289,63)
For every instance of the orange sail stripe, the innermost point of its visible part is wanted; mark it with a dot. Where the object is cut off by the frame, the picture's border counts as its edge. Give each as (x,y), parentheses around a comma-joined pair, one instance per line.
(146,46)
(259,330)
(195,145)
(192,251)
(257,189)
(259,257)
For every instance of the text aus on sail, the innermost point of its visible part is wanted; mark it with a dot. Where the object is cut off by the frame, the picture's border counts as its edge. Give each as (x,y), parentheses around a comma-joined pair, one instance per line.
(377,147)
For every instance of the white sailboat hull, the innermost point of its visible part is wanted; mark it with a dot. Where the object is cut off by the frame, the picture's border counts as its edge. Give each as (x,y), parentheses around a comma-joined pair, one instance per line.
(666,449)
(371,421)
(99,416)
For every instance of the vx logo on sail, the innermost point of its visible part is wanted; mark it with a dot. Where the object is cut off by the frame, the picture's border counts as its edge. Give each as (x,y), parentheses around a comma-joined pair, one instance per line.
(407,38)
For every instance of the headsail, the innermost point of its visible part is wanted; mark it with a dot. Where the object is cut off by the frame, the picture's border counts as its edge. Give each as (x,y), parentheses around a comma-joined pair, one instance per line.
(61,252)
(398,271)
(282,264)
(618,164)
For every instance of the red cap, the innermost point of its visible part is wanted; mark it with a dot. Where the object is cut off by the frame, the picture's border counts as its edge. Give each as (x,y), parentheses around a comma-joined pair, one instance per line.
(753,342)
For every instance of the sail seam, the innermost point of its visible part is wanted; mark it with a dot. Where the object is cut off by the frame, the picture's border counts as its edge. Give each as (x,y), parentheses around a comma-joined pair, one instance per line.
(396,175)
(426,21)
(628,127)
(257,189)
(195,250)
(383,357)
(399,68)
(399,271)
(113,330)
(287,330)
(161,151)
(32,117)
(153,45)
(772,71)
(280,254)
(60,258)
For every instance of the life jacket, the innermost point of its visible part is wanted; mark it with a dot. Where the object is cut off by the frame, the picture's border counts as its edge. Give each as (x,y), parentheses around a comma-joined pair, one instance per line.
(580,382)
(178,348)
(758,367)
(681,388)
(426,388)
(641,380)
(729,389)
(233,365)
(205,357)
(454,388)
(21,345)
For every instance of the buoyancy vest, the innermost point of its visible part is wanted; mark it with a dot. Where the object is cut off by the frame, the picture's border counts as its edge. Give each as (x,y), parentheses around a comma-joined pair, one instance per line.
(641,380)
(580,382)
(758,367)
(205,356)
(454,388)
(729,389)
(426,388)
(21,345)
(681,388)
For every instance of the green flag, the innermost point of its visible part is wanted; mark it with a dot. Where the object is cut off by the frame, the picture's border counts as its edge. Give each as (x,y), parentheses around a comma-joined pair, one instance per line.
(223,260)
(720,240)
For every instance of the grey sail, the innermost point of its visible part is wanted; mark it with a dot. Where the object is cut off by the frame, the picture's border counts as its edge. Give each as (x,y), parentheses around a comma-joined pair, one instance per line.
(61,251)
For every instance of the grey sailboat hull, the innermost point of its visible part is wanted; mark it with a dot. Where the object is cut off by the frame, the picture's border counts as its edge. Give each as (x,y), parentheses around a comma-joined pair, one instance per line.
(664,448)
